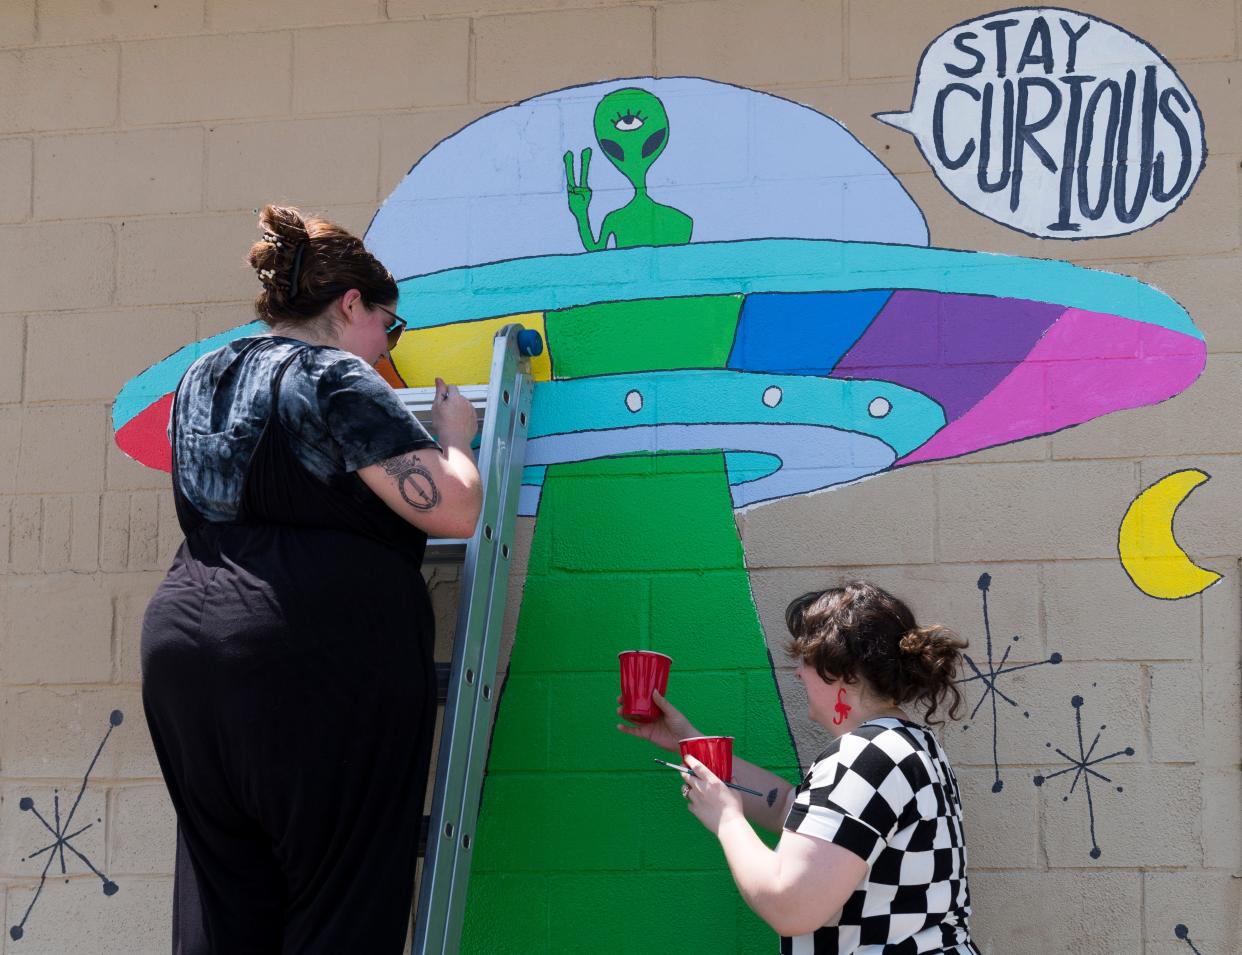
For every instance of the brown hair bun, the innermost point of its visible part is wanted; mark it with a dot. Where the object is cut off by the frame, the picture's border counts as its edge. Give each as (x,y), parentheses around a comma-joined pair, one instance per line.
(304,263)
(859,630)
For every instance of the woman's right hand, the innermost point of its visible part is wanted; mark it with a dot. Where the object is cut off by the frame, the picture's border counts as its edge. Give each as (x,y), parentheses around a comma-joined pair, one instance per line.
(665,732)
(453,417)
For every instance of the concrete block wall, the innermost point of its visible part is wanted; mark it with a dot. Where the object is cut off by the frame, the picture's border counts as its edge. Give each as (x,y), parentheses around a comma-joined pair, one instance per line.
(135,138)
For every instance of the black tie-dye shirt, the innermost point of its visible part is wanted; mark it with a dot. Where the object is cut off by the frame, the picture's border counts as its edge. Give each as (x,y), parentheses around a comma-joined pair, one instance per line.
(339,414)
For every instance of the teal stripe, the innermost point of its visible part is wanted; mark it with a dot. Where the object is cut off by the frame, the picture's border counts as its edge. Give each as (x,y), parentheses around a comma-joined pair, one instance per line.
(550,282)
(161,378)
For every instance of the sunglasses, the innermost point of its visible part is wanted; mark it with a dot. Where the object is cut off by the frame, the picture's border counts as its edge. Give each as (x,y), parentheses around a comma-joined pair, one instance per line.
(394,329)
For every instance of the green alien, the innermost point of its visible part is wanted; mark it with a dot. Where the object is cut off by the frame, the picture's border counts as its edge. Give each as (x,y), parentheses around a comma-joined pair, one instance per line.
(631,128)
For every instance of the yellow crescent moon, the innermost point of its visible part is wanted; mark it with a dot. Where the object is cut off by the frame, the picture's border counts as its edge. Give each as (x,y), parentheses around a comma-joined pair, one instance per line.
(1146,546)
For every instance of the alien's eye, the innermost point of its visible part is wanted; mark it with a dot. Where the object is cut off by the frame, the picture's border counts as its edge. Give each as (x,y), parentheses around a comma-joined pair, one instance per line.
(628,123)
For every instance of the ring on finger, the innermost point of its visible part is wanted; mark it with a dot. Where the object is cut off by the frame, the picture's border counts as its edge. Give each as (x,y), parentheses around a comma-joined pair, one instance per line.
(685,791)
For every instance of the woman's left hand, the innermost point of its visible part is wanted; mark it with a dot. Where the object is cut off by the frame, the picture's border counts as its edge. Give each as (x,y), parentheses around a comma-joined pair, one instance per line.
(710,799)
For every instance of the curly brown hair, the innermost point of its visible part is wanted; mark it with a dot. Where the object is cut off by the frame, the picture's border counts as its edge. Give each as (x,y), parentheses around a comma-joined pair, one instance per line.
(304,262)
(860,630)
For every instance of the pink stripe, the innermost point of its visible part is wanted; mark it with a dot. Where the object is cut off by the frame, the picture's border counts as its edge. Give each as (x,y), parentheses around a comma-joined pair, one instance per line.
(1088,364)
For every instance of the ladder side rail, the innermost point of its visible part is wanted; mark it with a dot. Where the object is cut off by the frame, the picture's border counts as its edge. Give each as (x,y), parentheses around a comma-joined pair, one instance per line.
(487,700)
(479,568)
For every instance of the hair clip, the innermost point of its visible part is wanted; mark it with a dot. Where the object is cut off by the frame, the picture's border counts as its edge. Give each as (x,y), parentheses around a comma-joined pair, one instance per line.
(267,273)
(272,238)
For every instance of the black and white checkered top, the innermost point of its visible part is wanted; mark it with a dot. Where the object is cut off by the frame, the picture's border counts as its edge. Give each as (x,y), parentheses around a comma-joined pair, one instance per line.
(886,792)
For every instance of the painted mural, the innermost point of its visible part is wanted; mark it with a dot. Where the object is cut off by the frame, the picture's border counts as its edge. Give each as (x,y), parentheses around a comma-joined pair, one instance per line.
(1055,123)
(740,304)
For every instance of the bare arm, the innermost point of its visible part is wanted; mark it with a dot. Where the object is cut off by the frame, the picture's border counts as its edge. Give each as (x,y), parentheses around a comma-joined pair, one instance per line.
(438,492)
(798,887)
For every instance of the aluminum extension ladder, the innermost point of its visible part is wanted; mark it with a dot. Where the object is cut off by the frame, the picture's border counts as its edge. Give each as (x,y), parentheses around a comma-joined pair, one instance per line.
(471,686)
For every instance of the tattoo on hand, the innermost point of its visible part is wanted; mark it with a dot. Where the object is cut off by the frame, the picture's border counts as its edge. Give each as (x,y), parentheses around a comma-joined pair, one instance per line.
(414,482)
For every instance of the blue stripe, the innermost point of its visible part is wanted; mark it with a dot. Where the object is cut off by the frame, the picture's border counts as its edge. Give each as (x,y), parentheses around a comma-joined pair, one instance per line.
(161,378)
(550,282)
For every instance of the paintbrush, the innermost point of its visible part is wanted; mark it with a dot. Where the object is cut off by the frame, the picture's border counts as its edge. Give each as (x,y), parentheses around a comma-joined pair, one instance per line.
(690,772)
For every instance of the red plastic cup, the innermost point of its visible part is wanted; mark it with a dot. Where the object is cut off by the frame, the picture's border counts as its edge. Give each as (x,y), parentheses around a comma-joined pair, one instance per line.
(641,672)
(714,752)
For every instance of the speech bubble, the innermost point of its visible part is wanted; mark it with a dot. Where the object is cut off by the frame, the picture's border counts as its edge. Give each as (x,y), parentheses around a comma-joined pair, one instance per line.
(1055,123)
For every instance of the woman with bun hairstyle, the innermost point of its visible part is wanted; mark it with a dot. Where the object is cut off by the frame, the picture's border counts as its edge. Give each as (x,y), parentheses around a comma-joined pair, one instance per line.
(872,855)
(286,657)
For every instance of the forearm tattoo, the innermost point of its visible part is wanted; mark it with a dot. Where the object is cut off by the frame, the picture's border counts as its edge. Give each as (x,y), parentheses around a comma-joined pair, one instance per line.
(413,481)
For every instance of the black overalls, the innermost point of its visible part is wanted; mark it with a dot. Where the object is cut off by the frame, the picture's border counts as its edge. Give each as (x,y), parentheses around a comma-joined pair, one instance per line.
(290,693)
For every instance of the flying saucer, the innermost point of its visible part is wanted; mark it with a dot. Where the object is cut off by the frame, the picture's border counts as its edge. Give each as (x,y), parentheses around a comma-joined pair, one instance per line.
(767,291)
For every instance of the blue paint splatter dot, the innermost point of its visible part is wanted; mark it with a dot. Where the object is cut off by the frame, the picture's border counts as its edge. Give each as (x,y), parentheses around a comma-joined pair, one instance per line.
(985,581)
(1039,780)
(1076,702)
(16,932)
(116,717)
(26,804)
(1129,750)
(110,888)
(1095,853)
(998,785)
(1055,658)
(1181,931)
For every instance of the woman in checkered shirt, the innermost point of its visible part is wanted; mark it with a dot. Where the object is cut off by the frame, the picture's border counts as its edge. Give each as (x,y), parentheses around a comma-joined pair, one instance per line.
(872,856)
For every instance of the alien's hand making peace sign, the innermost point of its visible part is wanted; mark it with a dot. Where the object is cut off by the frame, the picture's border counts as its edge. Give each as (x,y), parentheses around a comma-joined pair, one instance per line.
(580,192)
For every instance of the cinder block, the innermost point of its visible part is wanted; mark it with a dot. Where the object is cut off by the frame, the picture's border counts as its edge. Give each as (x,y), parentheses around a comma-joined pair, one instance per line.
(213,319)
(77,918)
(406,137)
(1221,792)
(1209,904)
(17,28)
(1028,734)
(1031,511)
(144,513)
(1057,911)
(90,356)
(808,736)
(1222,610)
(84,533)
(25,534)
(1175,711)
(1095,612)
(776,42)
(6,503)
(1001,827)
(61,449)
(157,86)
(55,731)
(135,172)
(114,531)
(298,162)
(12,349)
(1222,715)
(57,533)
(239,15)
(520,55)
(412,64)
(142,833)
(619,619)
(10,443)
(58,629)
(1170,794)
(56,265)
(63,21)
(58,88)
(16,178)
(830,527)
(1213,84)
(170,533)
(23,833)
(185,259)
